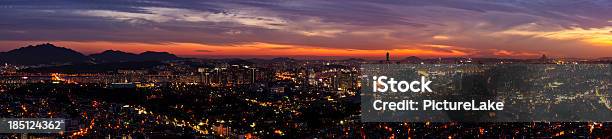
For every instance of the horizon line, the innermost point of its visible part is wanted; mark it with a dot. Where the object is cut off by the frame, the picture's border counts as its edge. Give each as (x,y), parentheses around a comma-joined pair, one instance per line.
(317,57)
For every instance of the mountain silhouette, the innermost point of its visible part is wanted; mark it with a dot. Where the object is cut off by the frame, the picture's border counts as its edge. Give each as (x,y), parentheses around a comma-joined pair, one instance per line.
(282,59)
(114,56)
(42,54)
(156,56)
(49,54)
(110,56)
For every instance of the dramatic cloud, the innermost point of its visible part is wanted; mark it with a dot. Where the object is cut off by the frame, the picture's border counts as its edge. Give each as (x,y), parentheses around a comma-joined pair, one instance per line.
(510,28)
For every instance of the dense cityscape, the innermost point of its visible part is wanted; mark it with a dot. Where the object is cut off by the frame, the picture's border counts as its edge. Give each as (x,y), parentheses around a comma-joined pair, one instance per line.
(259,69)
(237,98)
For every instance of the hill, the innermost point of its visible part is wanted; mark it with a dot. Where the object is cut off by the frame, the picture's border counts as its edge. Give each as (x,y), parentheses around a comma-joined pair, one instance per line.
(42,54)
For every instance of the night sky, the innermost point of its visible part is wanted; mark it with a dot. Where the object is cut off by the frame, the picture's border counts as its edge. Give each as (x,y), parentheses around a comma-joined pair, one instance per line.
(425,28)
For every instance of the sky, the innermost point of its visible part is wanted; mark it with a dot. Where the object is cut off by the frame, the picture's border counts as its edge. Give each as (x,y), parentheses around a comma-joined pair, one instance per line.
(339,28)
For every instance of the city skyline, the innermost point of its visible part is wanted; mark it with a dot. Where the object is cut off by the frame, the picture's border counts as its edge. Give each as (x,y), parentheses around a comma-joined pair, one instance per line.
(387,57)
(256,69)
(362,29)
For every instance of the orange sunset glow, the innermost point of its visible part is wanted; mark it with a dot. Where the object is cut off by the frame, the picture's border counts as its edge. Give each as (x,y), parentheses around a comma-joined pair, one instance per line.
(317,28)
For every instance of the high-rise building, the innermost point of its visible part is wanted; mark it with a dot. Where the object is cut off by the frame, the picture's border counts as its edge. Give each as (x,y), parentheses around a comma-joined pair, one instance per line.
(388,59)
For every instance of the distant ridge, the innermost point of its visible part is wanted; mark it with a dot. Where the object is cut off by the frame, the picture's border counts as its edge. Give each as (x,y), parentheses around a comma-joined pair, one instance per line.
(605,59)
(156,56)
(113,56)
(42,54)
(119,56)
(49,54)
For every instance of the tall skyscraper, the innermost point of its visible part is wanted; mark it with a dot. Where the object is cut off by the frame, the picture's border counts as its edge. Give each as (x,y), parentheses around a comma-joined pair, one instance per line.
(388,57)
